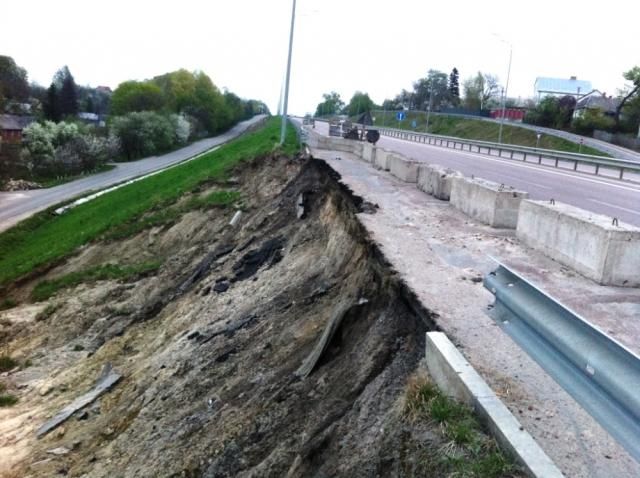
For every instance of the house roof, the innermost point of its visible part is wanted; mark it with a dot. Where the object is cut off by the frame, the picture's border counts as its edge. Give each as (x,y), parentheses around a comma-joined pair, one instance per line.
(10,122)
(601,102)
(560,85)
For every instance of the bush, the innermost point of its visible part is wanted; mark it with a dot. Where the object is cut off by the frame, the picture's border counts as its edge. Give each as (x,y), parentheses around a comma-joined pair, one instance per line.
(144,133)
(63,149)
(591,121)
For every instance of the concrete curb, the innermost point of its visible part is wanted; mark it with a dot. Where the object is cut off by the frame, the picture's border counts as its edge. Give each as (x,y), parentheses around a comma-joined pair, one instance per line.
(458,379)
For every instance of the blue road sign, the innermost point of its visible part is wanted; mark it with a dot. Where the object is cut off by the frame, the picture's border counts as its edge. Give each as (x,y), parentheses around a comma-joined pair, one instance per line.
(400,115)
(414,124)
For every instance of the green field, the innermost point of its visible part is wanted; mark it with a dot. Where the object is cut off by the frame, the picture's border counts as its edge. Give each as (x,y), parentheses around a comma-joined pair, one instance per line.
(45,238)
(480,130)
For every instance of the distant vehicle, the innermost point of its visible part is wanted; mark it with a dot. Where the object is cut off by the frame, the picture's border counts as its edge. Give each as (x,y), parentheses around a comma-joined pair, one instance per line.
(309,120)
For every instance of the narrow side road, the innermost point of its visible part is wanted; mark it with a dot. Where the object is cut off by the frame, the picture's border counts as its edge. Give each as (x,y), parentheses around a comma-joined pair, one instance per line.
(18,205)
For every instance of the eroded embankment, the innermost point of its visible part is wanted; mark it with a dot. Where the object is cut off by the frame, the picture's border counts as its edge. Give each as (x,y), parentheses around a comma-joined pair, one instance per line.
(278,347)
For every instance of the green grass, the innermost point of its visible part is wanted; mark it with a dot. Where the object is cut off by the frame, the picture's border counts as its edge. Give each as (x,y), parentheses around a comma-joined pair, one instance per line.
(47,288)
(44,238)
(7,363)
(469,452)
(480,130)
(7,400)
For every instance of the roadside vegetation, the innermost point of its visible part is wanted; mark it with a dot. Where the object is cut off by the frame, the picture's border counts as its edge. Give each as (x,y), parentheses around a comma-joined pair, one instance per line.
(467,451)
(479,130)
(44,238)
(69,129)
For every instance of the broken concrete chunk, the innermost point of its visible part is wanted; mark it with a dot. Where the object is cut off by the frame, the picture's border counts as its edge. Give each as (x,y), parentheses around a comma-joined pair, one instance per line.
(108,378)
(59,451)
(235,218)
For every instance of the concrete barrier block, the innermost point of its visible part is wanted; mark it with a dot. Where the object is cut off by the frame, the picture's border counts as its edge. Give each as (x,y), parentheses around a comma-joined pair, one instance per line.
(587,242)
(436,180)
(488,202)
(403,168)
(458,379)
(381,161)
(368,152)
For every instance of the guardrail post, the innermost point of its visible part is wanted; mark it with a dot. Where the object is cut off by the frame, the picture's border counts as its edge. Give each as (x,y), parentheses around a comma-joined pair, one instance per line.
(511,157)
(621,172)
(575,165)
(539,159)
(557,162)
(525,157)
(597,169)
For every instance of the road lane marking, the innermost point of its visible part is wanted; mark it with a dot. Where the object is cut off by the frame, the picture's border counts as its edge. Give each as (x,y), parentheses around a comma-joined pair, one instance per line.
(631,211)
(509,162)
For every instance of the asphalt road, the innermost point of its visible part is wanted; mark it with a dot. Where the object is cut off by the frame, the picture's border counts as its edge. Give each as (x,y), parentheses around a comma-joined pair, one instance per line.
(15,206)
(606,196)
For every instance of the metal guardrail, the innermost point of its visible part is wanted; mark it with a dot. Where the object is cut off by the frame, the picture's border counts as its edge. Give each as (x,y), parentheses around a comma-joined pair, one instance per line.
(598,162)
(600,373)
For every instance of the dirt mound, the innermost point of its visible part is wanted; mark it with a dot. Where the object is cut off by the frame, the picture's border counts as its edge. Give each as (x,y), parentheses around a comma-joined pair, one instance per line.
(211,348)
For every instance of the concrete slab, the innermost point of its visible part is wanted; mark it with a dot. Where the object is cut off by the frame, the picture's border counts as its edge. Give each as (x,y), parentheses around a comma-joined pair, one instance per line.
(436,180)
(368,152)
(587,242)
(491,203)
(403,168)
(381,161)
(458,379)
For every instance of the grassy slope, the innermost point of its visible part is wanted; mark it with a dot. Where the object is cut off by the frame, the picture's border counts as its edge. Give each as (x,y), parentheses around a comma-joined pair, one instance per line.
(44,238)
(480,130)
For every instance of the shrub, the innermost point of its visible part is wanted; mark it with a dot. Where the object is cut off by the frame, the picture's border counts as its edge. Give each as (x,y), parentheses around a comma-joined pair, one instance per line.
(143,133)
(591,121)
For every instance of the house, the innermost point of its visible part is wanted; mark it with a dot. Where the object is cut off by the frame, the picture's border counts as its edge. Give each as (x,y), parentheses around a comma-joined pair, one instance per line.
(560,87)
(598,102)
(11,127)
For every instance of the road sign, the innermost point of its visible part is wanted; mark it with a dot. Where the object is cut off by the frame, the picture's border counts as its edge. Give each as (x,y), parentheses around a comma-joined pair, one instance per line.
(414,124)
(400,115)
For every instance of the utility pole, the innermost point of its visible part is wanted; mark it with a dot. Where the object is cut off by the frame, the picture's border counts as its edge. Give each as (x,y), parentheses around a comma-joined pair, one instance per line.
(506,88)
(283,130)
(426,126)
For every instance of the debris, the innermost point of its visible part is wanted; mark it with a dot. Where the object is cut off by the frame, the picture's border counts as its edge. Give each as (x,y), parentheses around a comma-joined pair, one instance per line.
(108,378)
(341,310)
(59,451)
(221,287)
(249,264)
(300,210)
(235,218)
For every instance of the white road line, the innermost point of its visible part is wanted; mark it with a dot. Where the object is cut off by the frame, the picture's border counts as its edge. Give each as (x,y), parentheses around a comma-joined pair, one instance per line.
(519,165)
(631,211)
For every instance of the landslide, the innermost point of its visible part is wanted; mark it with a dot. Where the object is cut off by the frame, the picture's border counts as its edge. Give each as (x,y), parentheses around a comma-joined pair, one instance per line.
(280,346)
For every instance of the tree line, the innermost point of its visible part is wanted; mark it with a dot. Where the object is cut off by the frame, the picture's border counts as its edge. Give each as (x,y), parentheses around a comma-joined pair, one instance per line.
(143,118)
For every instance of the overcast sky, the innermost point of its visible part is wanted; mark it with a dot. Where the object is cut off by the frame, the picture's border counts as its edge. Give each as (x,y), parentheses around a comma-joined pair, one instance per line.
(374,46)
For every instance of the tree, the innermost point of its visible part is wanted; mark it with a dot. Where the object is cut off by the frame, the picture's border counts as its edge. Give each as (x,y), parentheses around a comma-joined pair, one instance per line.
(13,82)
(633,75)
(360,103)
(479,90)
(431,91)
(454,87)
(52,104)
(332,104)
(67,92)
(133,96)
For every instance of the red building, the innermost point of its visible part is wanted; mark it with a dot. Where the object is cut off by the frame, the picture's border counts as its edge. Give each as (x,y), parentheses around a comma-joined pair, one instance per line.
(510,114)
(11,127)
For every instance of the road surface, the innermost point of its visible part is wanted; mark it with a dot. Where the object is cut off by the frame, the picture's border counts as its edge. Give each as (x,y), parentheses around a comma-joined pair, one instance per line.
(18,205)
(601,195)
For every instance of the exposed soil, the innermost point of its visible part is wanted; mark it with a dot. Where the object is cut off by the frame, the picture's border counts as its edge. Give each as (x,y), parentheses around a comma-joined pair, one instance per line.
(278,347)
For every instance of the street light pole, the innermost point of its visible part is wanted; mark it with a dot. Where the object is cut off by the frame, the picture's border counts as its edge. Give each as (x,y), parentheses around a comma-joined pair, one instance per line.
(504,99)
(283,130)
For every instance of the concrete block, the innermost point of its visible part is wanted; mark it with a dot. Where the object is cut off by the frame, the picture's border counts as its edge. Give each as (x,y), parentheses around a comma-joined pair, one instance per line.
(381,161)
(436,180)
(587,242)
(457,378)
(368,152)
(488,202)
(404,168)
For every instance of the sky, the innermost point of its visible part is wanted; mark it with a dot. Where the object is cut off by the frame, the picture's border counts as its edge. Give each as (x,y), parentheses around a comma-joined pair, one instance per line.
(374,46)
